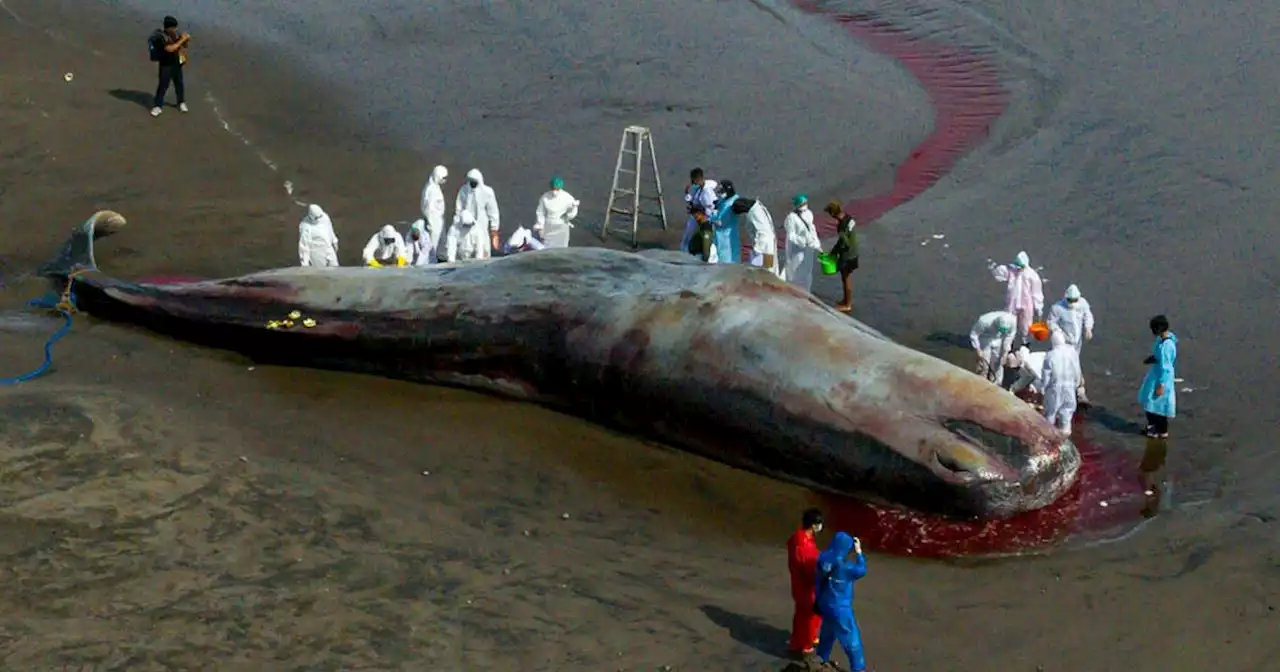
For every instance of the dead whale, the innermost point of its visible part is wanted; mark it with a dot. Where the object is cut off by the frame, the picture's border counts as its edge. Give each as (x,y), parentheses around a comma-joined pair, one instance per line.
(724,361)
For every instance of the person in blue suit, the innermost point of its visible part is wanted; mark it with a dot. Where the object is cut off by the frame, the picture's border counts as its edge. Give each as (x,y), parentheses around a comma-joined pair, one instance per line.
(728,242)
(1158,394)
(837,571)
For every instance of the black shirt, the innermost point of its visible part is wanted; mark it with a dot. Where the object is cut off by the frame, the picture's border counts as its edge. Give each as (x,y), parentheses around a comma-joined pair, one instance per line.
(160,39)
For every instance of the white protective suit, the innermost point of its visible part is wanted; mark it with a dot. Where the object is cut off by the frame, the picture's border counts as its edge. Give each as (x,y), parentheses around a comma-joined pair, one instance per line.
(1075,318)
(522,240)
(466,240)
(481,202)
(1060,378)
(1029,365)
(992,338)
(803,247)
(432,207)
(704,196)
(387,254)
(317,242)
(556,209)
(764,238)
(1024,292)
(421,253)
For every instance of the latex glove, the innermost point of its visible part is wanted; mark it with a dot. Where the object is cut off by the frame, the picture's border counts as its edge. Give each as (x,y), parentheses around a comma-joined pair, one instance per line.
(373,263)
(857,546)
(401,261)
(1088,334)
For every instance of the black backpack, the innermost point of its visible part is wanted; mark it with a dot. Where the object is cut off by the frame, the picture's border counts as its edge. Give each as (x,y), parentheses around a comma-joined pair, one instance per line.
(155,45)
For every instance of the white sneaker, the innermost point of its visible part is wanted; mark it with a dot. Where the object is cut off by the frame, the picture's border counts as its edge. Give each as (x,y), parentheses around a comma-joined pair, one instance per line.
(155,111)
(183,107)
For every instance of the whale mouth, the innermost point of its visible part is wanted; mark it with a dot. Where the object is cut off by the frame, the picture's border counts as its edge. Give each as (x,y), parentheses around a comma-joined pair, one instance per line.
(1011,450)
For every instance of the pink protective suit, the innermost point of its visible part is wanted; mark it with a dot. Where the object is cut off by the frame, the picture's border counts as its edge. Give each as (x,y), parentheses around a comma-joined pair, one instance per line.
(1024,293)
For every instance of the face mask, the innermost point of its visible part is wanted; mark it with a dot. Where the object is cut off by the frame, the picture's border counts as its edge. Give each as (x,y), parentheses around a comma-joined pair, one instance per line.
(473,183)
(388,241)
(817,528)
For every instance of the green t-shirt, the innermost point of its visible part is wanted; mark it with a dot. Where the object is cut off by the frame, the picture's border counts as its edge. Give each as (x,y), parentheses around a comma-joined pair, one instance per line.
(847,242)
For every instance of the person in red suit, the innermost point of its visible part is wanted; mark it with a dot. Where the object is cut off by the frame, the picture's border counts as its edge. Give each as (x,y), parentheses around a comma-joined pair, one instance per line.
(802,561)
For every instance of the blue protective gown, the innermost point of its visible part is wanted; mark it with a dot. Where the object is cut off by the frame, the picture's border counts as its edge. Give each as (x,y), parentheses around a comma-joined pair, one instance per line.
(1161,373)
(836,575)
(728,242)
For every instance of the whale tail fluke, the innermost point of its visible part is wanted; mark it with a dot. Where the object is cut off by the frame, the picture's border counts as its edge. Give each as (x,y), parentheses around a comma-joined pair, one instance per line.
(76,255)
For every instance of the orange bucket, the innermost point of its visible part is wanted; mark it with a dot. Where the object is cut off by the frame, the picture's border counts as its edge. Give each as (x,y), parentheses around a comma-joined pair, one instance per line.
(1039,331)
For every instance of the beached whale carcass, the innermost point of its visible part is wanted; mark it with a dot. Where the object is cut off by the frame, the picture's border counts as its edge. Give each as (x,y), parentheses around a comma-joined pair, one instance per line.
(721,360)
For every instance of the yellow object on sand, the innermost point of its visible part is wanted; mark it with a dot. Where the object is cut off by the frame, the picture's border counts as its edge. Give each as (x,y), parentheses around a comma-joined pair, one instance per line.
(295,315)
(401,261)
(374,263)
(273,325)
(308,323)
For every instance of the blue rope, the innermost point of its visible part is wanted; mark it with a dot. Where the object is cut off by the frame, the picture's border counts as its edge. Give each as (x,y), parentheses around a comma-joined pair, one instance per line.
(50,303)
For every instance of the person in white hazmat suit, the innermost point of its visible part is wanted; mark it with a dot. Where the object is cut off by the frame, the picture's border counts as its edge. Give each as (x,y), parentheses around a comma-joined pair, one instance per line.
(1024,292)
(467,240)
(1029,365)
(478,198)
(554,216)
(418,242)
(803,244)
(700,192)
(764,238)
(432,207)
(386,248)
(992,338)
(1074,317)
(317,241)
(522,240)
(1059,379)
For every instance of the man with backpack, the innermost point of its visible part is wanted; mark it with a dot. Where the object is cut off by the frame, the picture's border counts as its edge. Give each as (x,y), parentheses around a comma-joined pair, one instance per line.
(169,50)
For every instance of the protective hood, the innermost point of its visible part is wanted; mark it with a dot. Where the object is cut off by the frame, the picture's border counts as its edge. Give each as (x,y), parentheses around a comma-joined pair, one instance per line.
(1022,260)
(839,548)
(1073,292)
(314,213)
(476,175)
(438,174)
(388,231)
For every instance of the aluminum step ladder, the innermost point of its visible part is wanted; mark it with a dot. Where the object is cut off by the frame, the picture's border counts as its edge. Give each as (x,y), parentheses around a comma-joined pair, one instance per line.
(634,141)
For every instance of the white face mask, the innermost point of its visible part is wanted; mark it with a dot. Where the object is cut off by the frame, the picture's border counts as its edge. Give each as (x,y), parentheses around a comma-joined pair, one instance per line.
(817,528)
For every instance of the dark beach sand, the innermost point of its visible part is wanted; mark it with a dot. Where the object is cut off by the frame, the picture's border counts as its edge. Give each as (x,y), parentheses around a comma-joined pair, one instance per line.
(168,507)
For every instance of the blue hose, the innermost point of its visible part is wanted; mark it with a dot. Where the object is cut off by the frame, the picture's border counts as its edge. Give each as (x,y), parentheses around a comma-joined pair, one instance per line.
(50,303)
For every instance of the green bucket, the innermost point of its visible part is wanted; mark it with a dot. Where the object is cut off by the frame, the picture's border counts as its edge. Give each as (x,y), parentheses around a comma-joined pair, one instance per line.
(828,263)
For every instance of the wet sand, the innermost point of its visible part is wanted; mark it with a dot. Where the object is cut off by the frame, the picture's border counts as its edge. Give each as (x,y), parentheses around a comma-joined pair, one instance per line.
(169,507)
